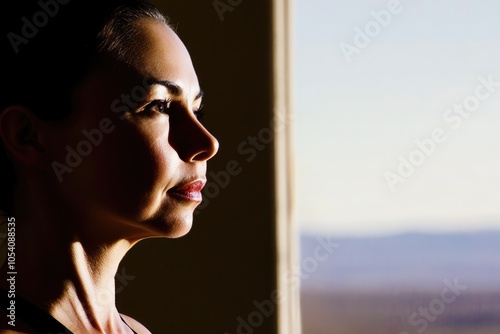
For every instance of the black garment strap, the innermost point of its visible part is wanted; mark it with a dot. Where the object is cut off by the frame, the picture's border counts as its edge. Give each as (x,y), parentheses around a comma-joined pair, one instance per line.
(128,325)
(33,316)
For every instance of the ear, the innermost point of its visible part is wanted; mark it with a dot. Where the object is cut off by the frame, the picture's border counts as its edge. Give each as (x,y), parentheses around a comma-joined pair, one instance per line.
(19,129)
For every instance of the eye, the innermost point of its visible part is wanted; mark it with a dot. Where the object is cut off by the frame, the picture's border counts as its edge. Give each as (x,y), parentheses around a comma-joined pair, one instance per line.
(162,106)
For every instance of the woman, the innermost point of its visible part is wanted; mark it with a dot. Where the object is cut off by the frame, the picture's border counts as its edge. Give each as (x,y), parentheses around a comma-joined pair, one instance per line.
(101,135)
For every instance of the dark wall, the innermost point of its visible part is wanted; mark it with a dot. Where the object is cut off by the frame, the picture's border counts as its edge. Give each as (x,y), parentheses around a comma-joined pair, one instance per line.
(205,281)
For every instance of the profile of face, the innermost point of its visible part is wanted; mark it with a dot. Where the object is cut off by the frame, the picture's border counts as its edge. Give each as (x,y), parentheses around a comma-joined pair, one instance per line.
(142,177)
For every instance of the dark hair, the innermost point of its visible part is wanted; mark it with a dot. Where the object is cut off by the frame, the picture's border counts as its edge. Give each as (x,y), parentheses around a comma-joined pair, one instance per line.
(47,47)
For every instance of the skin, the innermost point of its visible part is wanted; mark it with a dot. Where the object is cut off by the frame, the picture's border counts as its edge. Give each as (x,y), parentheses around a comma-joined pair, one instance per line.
(72,235)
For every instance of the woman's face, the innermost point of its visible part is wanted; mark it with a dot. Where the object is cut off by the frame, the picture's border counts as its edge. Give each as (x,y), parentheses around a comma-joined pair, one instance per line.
(143,152)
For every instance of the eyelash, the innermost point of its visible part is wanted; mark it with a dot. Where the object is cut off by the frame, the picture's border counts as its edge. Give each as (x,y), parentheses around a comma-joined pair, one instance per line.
(200,113)
(165,104)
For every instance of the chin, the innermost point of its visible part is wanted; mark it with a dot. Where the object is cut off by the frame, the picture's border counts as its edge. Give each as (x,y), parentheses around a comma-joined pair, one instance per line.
(179,230)
(170,227)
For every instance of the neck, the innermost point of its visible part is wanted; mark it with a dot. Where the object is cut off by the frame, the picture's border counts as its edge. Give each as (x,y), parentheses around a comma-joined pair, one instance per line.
(65,271)
(87,291)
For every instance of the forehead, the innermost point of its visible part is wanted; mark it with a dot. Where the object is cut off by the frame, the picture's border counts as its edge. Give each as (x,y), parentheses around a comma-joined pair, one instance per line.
(159,53)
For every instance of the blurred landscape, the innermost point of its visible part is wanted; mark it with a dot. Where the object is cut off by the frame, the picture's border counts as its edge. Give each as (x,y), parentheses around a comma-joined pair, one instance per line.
(401,284)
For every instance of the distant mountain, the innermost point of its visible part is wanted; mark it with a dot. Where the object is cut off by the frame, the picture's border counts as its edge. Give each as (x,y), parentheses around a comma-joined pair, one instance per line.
(412,260)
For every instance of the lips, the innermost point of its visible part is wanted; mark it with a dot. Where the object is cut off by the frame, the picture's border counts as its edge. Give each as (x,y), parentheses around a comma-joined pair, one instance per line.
(189,191)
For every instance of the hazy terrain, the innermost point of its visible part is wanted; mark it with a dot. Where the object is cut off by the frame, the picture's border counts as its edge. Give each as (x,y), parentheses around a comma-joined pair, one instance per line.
(405,284)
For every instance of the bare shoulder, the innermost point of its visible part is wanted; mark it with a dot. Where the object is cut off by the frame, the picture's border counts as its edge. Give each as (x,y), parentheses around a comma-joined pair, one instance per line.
(134,324)
(9,331)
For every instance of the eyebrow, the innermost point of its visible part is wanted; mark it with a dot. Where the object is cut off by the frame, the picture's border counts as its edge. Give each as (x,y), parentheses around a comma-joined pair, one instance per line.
(174,88)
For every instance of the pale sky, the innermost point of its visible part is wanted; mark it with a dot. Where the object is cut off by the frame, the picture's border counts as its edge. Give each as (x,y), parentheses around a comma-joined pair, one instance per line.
(355,121)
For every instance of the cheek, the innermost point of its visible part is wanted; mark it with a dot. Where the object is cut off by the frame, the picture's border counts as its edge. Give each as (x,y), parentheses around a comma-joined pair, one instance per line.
(129,172)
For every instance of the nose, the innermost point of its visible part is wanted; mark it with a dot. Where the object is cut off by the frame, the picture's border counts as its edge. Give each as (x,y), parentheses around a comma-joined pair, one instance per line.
(192,141)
